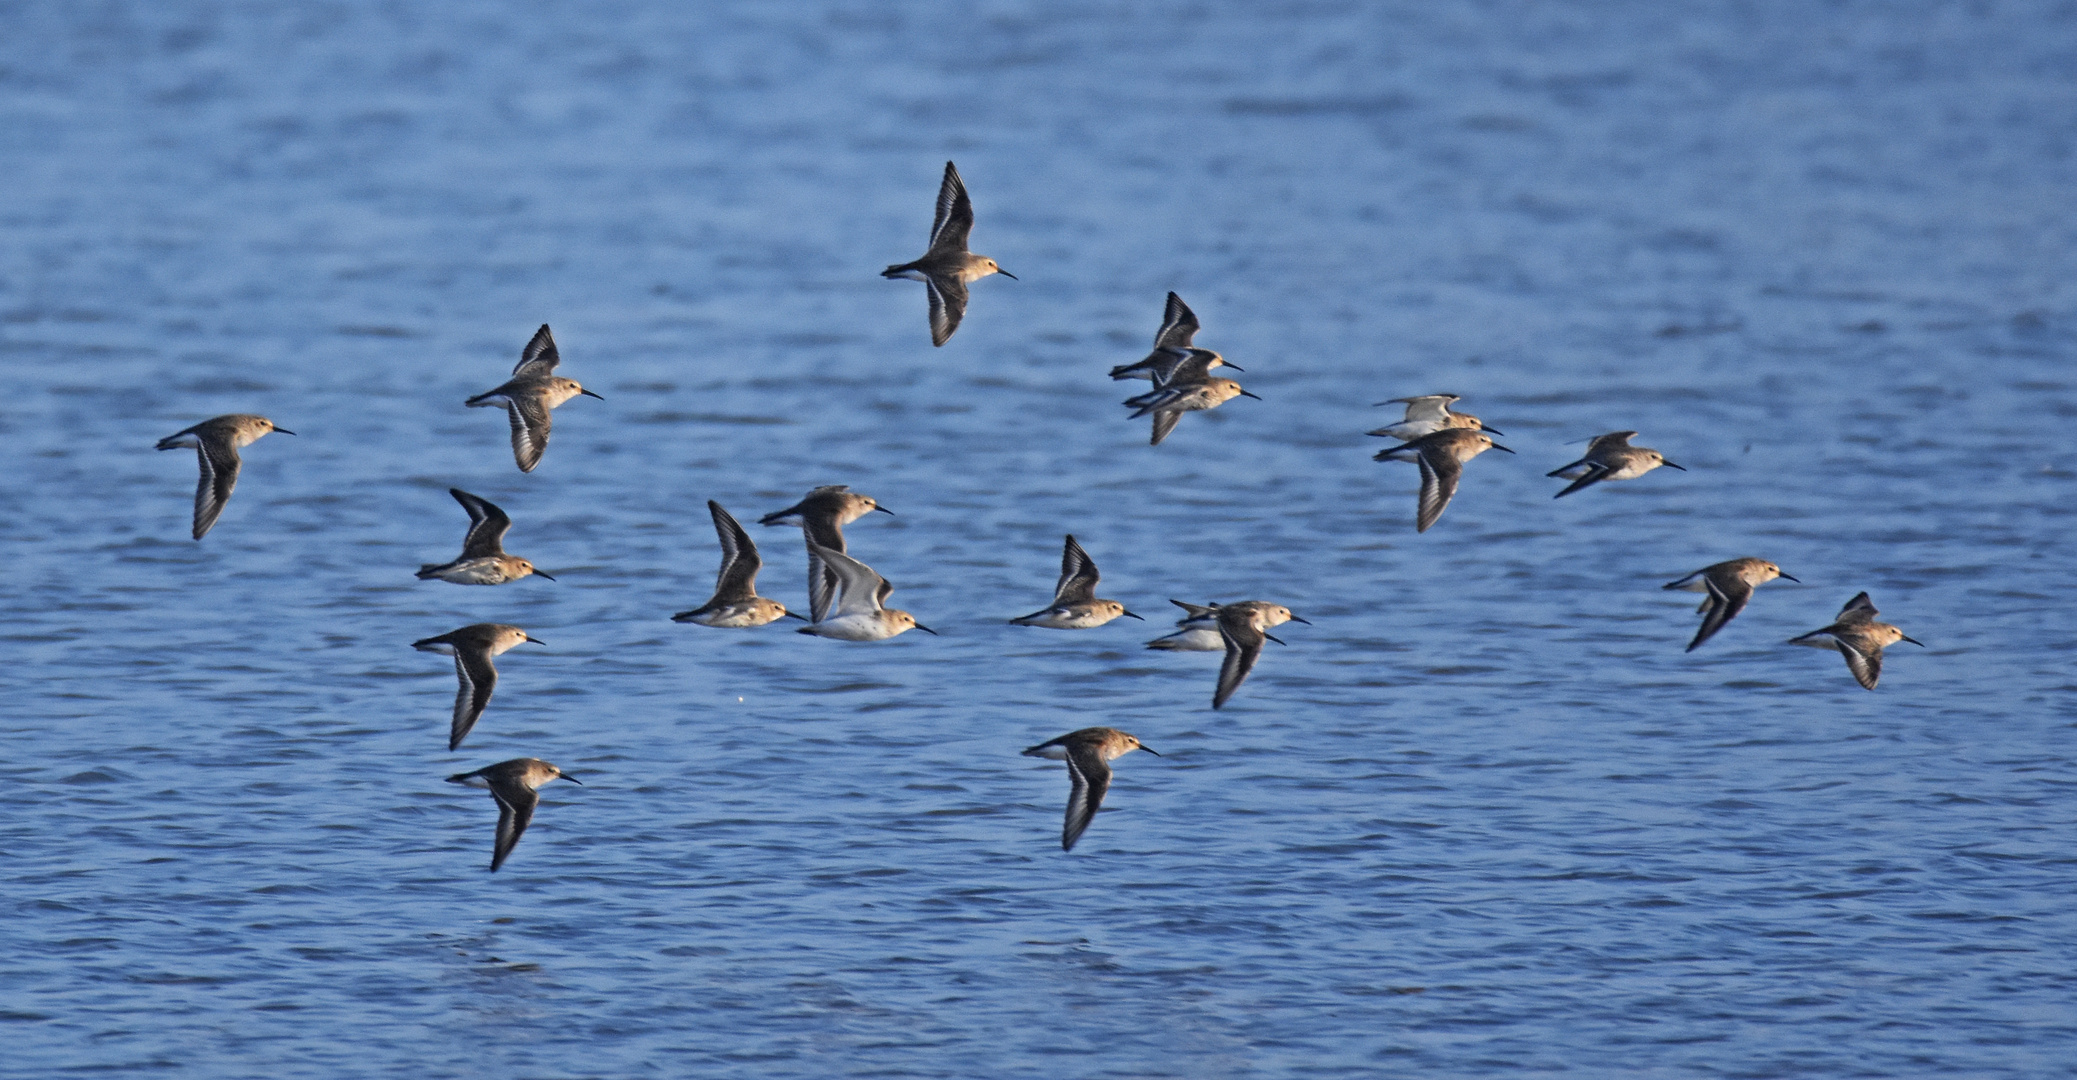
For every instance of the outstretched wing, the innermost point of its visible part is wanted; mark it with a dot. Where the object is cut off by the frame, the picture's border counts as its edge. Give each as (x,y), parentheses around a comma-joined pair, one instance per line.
(955,216)
(516,804)
(1164,422)
(1609,441)
(1724,603)
(539,357)
(1594,474)
(1858,609)
(861,588)
(1178,325)
(219,462)
(1078,576)
(1440,473)
(529,413)
(737,579)
(1091,776)
(1243,648)
(487,525)
(478,677)
(1866,666)
(947,306)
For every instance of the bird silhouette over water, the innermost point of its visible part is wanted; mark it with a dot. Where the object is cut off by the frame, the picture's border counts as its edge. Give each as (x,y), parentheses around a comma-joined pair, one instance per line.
(735,601)
(216,444)
(948,266)
(1088,753)
(533,390)
(1859,638)
(483,560)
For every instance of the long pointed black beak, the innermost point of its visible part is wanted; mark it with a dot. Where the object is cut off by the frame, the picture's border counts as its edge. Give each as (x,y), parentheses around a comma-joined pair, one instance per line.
(1225,363)
(535,640)
(545,574)
(1797,580)
(1295,618)
(1670,465)
(1131,615)
(1272,637)
(883,510)
(588,393)
(928,630)
(1914,641)
(1492,431)
(571,779)
(283,431)
(1257,397)
(1005,273)
(793,615)
(1150,749)
(1497,446)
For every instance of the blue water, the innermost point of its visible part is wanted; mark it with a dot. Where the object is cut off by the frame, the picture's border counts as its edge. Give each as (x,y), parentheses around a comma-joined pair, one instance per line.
(1484,818)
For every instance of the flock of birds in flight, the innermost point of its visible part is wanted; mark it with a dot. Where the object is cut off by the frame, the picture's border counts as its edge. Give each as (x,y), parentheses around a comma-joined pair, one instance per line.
(847,599)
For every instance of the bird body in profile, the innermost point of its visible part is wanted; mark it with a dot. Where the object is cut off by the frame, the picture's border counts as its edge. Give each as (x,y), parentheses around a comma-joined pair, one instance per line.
(859,614)
(948,266)
(473,649)
(483,560)
(1075,603)
(533,390)
(822,516)
(216,444)
(514,784)
(1610,457)
(735,602)
(1088,753)
(1244,627)
(1428,414)
(1196,631)
(1167,402)
(1192,367)
(1172,347)
(1441,456)
(1859,638)
(1730,586)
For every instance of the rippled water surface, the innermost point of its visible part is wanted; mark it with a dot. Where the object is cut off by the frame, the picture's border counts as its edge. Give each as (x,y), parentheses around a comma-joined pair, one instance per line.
(1483,818)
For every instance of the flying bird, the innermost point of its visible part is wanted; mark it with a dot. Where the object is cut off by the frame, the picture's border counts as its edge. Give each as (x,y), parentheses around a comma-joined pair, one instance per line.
(1075,604)
(946,268)
(216,444)
(1730,586)
(513,784)
(473,649)
(1171,347)
(1610,457)
(822,516)
(735,601)
(483,560)
(1441,456)
(1196,631)
(859,614)
(1088,753)
(1428,414)
(1859,638)
(533,390)
(1244,627)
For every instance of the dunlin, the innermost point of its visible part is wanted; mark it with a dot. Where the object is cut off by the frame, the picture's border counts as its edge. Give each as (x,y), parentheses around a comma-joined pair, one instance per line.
(859,615)
(1088,753)
(1729,585)
(1441,456)
(1859,638)
(735,601)
(483,560)
(1245,626)
(822,517)
(513,784)
(1168,402)
(1428,414)
(1610,457)
(1196,631)
(1193,366)
(1171,347)
(947,267)
(533,390)
(473,648)
(216,444)
(1075,605)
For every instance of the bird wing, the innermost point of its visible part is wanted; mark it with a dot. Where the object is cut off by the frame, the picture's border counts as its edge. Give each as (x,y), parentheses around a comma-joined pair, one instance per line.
(947,306)
(1178,325)
(1725,601)
(529,413)
(737,579)
(539,357)
(1243,648)
(1866,666)
(1595,471)
(1164,422)
(1091,777)
(861,590)
(1440,472)
(1858,609)
(516,803)
(1609,441)
(955,216)
(487,525)
(219,462)
(478,677)
(1195,612)
(1078,576)
(1435,407)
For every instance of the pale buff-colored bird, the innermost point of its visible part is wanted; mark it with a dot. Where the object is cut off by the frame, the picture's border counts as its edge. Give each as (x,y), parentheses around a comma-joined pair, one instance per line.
(948,266)
(1428,414)
(1610,457)
(1859,638)
(1245,626)
(1088,753)
(483,560)
(533,390)
(1441,456)
(473,648)
(1169,401)
(860,613)
(1075,603)
(216,444)
(735,602)
(1730,586)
